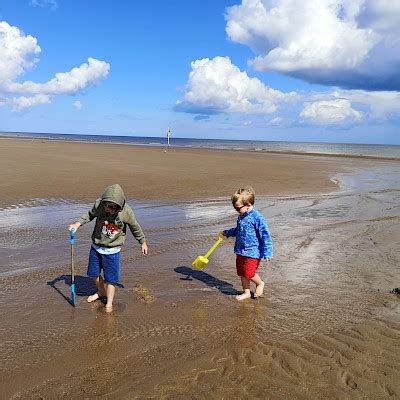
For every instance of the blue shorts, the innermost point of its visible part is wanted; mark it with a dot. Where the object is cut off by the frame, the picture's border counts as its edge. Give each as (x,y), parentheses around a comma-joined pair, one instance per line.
(109,263)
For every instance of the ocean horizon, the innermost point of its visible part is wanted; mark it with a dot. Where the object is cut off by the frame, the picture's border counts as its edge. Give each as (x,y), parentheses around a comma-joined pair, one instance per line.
(386,151)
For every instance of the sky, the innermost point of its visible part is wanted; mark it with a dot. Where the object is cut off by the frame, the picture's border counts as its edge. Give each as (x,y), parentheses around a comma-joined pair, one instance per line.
(291,70)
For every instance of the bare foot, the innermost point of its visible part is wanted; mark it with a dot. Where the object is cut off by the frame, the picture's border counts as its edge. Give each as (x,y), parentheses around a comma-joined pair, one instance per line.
(244,296)
(109,308)
(259,290)
(93,297)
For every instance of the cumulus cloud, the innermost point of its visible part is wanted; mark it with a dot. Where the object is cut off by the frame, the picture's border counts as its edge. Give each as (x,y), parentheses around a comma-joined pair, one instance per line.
(69,82)
(19,53)
(380,105)
(350,44)
(20,103)
(344,106)
(330,112)
(217,86)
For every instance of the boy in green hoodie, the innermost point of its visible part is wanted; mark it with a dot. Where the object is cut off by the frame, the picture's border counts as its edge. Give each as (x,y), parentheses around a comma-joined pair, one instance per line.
(112,215)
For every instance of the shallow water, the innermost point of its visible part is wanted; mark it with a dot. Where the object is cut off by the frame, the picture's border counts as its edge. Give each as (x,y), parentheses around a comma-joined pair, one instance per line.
(327,327)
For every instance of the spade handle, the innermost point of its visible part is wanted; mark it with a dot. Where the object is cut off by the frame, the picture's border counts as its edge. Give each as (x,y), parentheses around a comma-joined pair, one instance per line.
(71,241)
(213,247)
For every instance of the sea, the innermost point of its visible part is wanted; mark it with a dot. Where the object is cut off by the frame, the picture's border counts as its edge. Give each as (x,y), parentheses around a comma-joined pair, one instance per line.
(335,149)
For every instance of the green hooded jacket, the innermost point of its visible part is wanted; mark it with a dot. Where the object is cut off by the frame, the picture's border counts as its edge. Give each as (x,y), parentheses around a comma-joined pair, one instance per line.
(110,230)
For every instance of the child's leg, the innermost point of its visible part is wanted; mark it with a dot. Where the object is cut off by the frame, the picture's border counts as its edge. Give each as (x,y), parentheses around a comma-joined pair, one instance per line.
(93,271)
(259,285)
(246,289)
(101,290)
(111,264)
(110,296)
(99,281)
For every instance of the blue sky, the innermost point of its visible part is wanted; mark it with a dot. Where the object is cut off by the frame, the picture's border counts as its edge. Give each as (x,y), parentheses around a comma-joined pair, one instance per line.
(324,71)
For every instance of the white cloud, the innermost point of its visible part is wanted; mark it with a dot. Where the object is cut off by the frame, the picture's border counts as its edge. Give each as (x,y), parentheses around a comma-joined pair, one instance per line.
(346,105)
(69,82)
(218,86)
(19,53)
(347,43)
(20,103)
(330,112)
(77,104)
(381,105)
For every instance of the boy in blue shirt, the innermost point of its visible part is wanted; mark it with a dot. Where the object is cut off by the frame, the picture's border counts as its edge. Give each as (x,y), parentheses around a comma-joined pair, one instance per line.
(253,241)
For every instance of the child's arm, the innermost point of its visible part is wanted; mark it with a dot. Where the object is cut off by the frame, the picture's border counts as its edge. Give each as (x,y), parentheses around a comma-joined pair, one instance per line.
(74,226)
(136,230)
(230,232)
(144,249)
(86,217)
(266,248)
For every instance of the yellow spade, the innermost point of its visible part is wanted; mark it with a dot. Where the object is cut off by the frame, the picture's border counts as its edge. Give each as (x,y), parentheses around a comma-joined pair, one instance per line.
(201,261)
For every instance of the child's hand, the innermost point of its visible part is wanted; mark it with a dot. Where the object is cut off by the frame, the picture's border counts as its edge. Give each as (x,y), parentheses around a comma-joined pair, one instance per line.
(74,226)
(267,260)
(144,249)
(221,235)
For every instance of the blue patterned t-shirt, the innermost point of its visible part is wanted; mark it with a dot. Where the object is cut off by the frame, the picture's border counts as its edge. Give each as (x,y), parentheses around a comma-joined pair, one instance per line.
(252,235)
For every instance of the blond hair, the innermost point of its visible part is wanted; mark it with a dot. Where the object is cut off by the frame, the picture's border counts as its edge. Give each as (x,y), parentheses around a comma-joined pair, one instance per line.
(245,195)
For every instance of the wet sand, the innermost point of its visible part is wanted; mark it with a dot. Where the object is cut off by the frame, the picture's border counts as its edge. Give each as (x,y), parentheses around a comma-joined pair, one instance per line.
(71,170)
(328,326)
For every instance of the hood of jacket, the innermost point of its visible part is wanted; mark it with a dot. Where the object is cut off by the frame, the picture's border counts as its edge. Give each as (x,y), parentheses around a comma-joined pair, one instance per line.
(114,194)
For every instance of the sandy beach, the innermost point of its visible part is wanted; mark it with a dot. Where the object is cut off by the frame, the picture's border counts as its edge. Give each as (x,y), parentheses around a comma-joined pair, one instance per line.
(328,326)
(71,170)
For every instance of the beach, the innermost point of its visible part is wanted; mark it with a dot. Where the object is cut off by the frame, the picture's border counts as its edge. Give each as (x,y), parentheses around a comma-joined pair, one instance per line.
(41,168)
(327,327)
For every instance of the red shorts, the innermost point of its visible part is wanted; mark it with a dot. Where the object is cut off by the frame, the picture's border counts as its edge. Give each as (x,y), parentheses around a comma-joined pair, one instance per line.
(246,266)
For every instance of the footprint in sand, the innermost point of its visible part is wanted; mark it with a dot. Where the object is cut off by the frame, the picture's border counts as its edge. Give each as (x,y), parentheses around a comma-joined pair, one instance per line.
(348,381)
(143,294)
